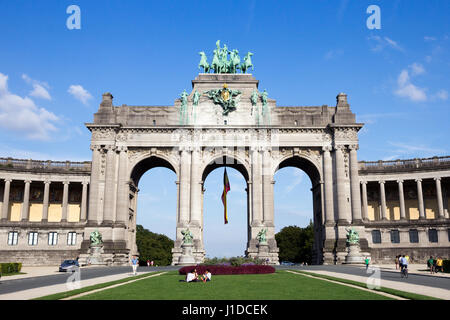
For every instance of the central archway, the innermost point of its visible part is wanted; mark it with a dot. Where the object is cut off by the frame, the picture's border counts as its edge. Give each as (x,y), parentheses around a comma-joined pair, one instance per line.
(234,163)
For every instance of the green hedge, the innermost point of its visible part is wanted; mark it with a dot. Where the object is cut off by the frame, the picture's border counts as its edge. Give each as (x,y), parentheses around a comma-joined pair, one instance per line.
(11,267)
(446,266)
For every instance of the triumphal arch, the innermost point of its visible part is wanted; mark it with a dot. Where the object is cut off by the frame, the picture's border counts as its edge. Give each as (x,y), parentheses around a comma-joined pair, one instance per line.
(50,209)
(226,120)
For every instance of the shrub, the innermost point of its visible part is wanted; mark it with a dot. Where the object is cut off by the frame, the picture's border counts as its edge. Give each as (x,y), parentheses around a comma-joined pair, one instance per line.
(446,266)
(234,261)
(227,270)
(10,267)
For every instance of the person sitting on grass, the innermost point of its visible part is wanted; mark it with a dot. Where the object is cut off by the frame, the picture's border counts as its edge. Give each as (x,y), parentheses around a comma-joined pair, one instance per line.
(206,276)
(192,276)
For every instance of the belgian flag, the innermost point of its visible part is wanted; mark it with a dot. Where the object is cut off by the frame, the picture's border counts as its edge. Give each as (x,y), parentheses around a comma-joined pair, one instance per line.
(226,188)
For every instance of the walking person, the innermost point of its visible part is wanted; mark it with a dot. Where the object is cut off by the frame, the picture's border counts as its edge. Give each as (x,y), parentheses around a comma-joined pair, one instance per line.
(134,264)
(439,264)
(430,264)
(367,261)
(396,262)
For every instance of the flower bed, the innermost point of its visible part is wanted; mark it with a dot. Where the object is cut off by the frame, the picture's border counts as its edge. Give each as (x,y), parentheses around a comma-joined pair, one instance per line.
(224,269)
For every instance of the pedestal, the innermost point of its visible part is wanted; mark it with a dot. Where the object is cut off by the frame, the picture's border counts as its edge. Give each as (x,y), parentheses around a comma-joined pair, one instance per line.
(186,257)
(354,255)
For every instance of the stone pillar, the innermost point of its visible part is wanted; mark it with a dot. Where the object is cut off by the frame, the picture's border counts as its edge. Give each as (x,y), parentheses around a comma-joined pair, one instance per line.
(108,206)
(383,200)
(343,216)
(5,205)
(257,207)
(401,197)
(123,187)
(46,201)
(184,195)
(94,185)
(83,211)
(355,190)
(268,185)
(196,189)
(65,201)
(365,213)
(420,199)
(439,198)
(26,201)
(328,177)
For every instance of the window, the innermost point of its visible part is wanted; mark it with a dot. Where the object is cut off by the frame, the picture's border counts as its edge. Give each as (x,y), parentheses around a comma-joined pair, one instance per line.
(72,238)
(413,236)
(376,236)
(13,237)
(52,238)
(395,236)
(448,232)
(32,238)
(432,235)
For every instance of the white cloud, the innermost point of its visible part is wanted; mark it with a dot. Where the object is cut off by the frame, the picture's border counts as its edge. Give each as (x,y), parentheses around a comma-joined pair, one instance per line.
(39,88)
(417,68)
(298,177)
(381,43)
(80,93)
(442,95)
(408,90)
(21,114)
(427,38)
(415,149)
(333,54)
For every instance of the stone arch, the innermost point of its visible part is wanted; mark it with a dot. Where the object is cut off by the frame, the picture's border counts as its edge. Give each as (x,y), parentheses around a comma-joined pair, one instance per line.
(225,159)
(146,162)
(303,162)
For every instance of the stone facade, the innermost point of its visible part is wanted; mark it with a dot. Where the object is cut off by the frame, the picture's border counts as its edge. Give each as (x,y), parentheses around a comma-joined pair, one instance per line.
(47,197)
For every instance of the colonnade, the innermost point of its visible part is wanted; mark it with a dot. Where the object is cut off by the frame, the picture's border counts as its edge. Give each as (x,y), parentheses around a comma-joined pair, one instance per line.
(441,214)
(25,209)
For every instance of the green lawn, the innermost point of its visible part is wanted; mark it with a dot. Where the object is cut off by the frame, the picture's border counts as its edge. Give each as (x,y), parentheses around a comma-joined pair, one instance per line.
(281,285)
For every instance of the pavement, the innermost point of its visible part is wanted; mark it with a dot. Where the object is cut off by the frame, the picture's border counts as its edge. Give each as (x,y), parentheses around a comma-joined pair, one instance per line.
(42,281)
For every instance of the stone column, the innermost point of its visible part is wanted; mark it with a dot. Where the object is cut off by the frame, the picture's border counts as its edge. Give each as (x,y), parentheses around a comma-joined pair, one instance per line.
(94,185)
(257,207)
(439,198)
(328,177)
(46,201)
(83,211)
(196,188)
(26,202)
(343,216)
(383,200)
(420,199)
(108,206)
(123,187)
(401,197)
(184,195)
(65,201)
(365,213)
(5,205)
(355,190)
(268,185)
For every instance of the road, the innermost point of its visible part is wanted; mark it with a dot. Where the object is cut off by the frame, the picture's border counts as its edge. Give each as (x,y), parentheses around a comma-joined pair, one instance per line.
(92,272)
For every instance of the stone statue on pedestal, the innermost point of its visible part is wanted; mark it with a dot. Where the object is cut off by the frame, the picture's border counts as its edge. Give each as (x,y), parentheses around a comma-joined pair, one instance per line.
(186,257)
(354,254)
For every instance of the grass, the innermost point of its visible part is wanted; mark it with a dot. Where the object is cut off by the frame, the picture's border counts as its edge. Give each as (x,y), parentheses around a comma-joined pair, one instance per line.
(62,295)
(403,294)
(11,274)
(281,285)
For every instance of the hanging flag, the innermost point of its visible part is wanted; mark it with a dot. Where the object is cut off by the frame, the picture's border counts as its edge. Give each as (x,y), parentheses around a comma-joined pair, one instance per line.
(226,188)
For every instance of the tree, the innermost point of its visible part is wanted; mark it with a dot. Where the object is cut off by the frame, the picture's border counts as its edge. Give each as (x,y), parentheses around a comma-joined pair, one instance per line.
(154,247)
(296,243)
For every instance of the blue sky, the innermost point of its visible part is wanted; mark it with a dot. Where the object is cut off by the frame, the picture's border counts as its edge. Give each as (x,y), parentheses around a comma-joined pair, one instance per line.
(146,53)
